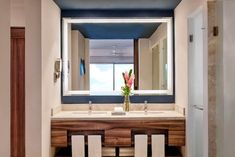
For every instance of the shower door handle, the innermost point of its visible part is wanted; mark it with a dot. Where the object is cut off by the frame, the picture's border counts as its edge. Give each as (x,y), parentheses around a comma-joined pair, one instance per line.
(198,107)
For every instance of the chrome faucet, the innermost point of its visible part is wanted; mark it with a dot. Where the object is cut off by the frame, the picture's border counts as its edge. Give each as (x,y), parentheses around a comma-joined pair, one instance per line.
(90,107)
(145,106)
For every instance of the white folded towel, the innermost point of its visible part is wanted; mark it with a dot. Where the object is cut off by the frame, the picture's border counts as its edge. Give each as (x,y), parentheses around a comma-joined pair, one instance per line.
(108,151)
(158,146)
(126,151)
(141,145)
(78,146)
(94,146)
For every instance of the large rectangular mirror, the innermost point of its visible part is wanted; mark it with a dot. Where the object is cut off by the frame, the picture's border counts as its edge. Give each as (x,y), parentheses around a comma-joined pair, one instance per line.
(96,52)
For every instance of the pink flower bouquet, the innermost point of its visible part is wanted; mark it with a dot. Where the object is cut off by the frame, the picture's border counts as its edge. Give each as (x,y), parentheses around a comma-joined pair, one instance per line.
(128,80)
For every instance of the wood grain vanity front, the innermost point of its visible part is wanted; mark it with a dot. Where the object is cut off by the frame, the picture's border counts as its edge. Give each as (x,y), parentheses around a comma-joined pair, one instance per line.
(116,132)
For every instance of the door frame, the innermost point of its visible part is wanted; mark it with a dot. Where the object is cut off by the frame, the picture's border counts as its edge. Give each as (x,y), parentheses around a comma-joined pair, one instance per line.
(201,9)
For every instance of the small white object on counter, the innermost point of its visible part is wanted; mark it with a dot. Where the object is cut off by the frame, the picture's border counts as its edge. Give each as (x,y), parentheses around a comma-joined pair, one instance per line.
(118,109)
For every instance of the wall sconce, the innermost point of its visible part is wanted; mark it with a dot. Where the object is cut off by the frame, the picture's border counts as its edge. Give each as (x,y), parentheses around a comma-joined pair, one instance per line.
(57,69)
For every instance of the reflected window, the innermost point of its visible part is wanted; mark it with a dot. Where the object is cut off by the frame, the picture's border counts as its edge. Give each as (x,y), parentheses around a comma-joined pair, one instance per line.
(107,77)
(101,77)
(108,60)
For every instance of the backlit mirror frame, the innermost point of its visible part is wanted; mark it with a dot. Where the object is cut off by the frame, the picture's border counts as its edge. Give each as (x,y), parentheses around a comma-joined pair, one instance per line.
(151,96)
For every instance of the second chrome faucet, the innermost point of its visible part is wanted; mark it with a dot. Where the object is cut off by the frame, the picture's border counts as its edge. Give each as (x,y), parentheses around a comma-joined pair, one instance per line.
(145,106)
(90,107)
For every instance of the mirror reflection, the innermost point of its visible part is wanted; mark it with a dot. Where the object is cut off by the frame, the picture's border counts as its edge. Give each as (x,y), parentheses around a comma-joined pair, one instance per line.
(96,54)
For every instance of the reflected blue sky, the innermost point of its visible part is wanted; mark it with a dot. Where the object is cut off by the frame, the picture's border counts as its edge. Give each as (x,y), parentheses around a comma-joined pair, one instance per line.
(101,76)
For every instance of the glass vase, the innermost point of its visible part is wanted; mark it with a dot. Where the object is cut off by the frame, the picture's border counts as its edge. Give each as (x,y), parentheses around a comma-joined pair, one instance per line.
(126,105)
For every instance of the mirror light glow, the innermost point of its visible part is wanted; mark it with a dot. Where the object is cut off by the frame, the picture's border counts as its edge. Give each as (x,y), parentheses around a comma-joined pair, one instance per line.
(169,90)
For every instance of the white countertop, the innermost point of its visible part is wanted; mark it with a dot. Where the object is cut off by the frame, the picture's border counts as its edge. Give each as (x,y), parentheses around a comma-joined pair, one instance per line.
(107,115)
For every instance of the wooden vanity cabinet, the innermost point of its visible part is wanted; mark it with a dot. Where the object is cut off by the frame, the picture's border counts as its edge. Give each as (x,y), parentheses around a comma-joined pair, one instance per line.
(117,132)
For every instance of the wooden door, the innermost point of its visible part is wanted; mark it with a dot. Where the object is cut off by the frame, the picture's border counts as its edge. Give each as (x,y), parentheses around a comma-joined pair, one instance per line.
(17,92)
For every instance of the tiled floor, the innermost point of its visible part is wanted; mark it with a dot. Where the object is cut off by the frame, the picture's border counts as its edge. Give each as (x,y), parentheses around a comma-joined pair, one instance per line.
(170,152)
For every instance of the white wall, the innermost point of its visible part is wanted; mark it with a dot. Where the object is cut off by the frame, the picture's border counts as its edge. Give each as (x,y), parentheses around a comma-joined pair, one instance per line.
(87,64)
(145,65)
(5,78)
(158,35)
(17,13)
(226,69)
(81,54)
(75,77)
(33,78)
(78,52)
(69,76)
(50,36)
(158,39)
(42,21)
(146,57)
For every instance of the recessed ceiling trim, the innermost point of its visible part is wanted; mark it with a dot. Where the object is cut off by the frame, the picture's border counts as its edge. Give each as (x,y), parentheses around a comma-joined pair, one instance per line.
(116,20)
(117,13)
(130,28)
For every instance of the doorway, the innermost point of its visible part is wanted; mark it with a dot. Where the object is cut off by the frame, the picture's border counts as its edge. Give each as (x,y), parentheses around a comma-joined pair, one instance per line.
(17,92)
(197,86)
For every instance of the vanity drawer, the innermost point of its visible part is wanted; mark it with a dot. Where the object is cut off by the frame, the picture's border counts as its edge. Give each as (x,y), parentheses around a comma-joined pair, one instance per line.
(118,137)
(59,138)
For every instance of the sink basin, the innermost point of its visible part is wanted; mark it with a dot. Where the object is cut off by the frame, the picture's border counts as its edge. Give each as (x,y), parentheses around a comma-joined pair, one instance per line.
(142,112)
(106,113)
(89,113)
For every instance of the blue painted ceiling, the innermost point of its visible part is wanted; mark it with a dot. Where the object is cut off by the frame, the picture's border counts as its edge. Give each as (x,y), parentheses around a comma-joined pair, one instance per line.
(117,8)
(116,31)
(118,4)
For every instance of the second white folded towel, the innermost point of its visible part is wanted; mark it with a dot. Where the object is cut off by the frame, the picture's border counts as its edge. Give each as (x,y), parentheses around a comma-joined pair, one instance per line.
(94,146)
(158,146)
